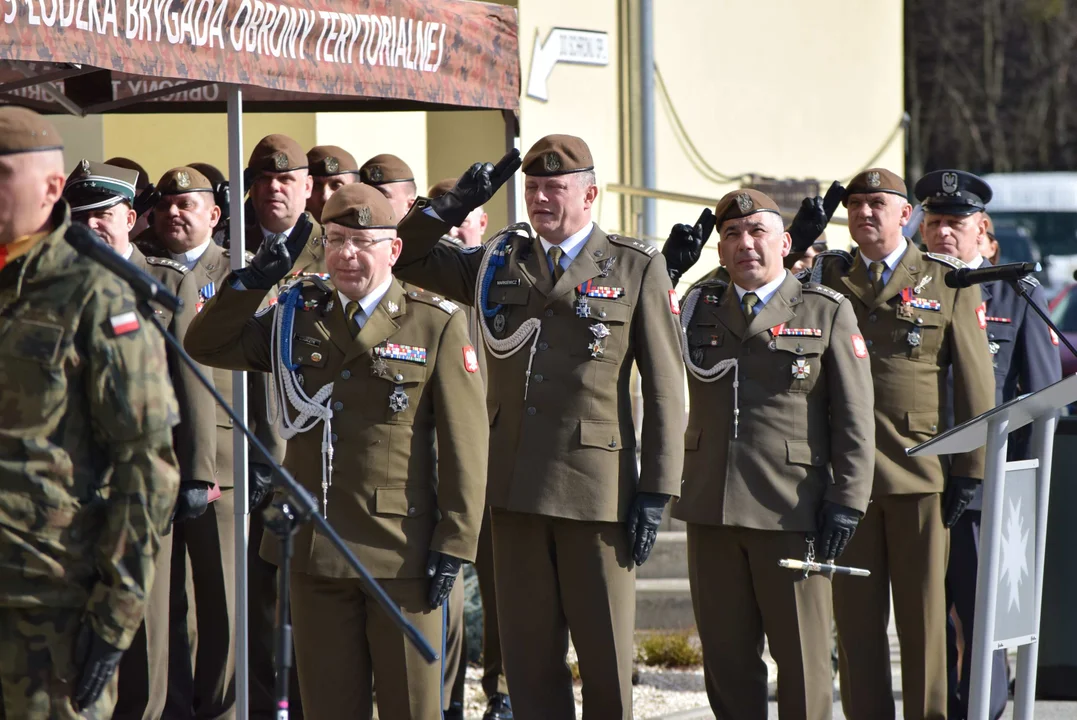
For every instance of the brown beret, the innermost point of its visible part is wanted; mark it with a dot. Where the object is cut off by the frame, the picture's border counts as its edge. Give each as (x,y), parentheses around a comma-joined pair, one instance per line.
(359,206)
(329,160)
(22,130)
(143,176)
(875,180)
(742,203)
(183,180)
(98,186)
(441,188)
(277,154)
(215,176)
(384,169)
(558,155)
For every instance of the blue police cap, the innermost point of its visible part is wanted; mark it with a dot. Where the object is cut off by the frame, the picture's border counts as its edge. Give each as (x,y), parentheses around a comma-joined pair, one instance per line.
(952,192)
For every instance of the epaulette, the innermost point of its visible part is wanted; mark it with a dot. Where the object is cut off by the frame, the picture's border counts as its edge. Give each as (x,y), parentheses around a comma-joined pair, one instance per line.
(816,275)
(708,284)
(1029,281)
(823,290)
(945,260)
(638,245)
(168,263)
(247,255)
(431,299)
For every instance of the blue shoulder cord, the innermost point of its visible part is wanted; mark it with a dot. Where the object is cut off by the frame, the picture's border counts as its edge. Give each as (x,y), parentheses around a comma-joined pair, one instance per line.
(497,260)
(292,298)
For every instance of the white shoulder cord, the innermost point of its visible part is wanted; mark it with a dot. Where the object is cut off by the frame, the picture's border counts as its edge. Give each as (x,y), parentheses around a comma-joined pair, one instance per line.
(310,409)
(509,346)
(715,372)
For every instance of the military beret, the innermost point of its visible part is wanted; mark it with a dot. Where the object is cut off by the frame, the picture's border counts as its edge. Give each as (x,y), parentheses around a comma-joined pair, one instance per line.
(97,186)
(742,203)
(143,177)
(329,160)
(180,180)
(952,192)
(875,180)
(22,130)
(558,155)
(359,206)
(384,169)
(441,188)
(277,154)
(215,176)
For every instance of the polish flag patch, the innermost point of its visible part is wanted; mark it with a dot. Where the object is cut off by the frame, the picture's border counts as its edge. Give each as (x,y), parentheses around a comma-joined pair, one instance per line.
(860,348)
(471,359)
(1054,336)
(123,323)
(674,304)
(981,315)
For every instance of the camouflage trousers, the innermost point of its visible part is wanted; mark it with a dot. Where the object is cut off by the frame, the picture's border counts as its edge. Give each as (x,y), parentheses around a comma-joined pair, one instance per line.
(37,672)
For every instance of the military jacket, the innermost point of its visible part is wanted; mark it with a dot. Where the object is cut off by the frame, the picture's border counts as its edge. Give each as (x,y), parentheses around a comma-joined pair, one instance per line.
(398,491)
(562,438)
(915,331)
(804,432)
(88,477)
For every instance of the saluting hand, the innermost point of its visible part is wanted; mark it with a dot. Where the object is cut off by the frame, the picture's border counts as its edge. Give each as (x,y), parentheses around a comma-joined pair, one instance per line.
(442,570)
(275,257)
(643,520)
(837,523)
(474,188)
(685,244)
(812,217)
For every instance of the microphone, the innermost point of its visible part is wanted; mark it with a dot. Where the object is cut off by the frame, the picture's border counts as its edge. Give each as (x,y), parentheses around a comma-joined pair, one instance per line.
(145,286)
(965,277)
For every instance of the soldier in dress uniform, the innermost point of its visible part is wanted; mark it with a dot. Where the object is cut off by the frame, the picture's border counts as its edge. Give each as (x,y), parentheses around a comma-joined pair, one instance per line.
(916,329)
(102,198)
(469,234)
(393,178)
(88,477)
(567,311)
(409,507)
(1025,356)
(781,468)
(143,192)
(332,168)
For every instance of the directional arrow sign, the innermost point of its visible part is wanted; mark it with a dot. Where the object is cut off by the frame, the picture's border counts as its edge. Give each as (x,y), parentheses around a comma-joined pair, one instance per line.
(580,47)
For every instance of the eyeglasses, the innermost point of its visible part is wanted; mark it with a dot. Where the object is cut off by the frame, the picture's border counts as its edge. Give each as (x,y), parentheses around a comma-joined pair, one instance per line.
(337,242)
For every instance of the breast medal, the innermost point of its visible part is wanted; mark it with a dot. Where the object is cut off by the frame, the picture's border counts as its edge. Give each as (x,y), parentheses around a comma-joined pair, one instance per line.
(398,401)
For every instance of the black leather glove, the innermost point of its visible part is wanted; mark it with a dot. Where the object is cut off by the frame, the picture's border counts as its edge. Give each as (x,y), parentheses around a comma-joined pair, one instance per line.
(475,187)
(259,483)
(644,517)
(837,523)
(275,257)
(685,243)
(442,570)
(97,660)
(812,217)
(959,493)
(192,501)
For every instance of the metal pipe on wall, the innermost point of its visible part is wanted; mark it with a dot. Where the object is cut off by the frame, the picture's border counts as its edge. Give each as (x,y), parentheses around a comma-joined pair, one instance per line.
(646,87)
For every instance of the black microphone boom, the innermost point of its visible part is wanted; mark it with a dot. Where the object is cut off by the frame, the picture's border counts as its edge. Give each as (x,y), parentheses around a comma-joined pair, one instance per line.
(966,277)
(144,285)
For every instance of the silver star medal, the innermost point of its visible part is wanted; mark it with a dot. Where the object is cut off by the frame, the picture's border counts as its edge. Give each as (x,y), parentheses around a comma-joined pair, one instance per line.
(499,322)
(801,369)
(398,401)
(379,368)
(914,337)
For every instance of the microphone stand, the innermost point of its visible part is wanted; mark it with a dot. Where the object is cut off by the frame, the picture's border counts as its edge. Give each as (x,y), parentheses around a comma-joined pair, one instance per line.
(1020,289)
(283,518)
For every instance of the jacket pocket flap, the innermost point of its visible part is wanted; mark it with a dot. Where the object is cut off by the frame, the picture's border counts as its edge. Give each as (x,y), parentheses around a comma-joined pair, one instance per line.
(509,295)
(709,336)
(605,435)
(691,438)
(799,452)
(492,409)
(609,310)
(923,422)
(800,345)
(32,339)
(400,372)
(397,501)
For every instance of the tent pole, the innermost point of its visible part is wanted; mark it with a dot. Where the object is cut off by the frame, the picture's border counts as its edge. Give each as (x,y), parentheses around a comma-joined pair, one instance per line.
(239,402)
(512,193)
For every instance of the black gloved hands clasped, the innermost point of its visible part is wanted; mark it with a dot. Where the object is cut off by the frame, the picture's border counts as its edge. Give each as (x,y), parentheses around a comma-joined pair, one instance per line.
(957,496)
(275,257)
(442,570)
(192,501)
(97,660)
(685,244)
(474,188)
(812,217)
(837,523)
(644,517)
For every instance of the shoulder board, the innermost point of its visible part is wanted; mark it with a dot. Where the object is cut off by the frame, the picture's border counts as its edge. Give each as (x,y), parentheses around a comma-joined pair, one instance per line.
(168,263)
(247,254)
(437,301)
(520,228)
(823,290)
(638,245)
(823,258)
(945,260)
(715,284)
(1029,282)
(835,253)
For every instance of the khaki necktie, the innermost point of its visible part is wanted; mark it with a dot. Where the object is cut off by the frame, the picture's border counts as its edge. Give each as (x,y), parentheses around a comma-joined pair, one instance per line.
(750,300)
(875,271)
(351,311)
(555,257)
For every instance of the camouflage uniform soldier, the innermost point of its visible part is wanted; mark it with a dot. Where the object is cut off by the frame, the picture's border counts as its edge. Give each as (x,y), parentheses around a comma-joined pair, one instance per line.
(86,463)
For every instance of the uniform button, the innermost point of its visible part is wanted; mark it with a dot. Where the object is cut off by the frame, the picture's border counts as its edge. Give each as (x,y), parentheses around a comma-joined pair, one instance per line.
(346,374)
(531,411)
(816,459)
(549,312)
(602,313)
(544,345)
(934,428)
(338,405)
(398,378)
(411,511)
(613,443)
(872,317)
(333,437)
(538,378)
(991,335)
(919,321)
(868,343)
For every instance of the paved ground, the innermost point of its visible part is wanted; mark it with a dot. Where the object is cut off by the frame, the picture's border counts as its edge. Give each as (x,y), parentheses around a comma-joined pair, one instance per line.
(1044,711)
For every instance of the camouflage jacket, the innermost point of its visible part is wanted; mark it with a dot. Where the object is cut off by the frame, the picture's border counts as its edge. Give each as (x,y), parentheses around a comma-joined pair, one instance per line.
(88,477)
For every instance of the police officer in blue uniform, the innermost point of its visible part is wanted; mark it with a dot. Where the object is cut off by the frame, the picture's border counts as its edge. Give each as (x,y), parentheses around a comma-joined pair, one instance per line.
(1025,356)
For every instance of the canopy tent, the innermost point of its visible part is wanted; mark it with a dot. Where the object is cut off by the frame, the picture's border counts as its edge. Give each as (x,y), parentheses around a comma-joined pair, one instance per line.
(85,57)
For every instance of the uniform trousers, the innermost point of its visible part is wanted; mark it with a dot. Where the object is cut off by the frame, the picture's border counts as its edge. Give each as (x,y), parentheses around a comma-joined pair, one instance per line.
(455,663)
(344,643)
(739,593)
(902,541)
(143,672)
(554,576)
(961,595)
